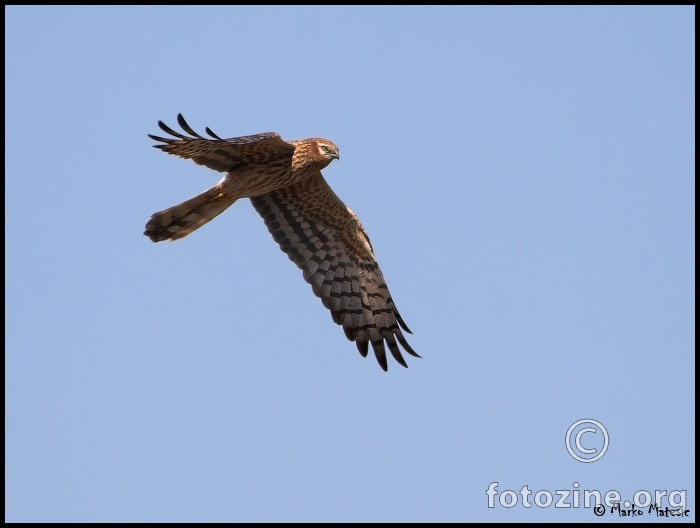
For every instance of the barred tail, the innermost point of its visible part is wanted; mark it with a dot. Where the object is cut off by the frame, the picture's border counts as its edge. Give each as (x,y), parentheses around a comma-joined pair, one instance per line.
(180,220)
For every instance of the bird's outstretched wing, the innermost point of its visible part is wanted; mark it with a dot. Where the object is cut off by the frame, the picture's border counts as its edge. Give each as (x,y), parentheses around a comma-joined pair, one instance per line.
(225,155)
(326,240)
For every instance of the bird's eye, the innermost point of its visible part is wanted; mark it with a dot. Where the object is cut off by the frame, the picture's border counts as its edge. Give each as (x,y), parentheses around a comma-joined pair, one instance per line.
(326,148)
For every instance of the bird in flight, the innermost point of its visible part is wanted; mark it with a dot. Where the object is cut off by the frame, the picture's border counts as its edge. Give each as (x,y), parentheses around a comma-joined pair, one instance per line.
(316,230)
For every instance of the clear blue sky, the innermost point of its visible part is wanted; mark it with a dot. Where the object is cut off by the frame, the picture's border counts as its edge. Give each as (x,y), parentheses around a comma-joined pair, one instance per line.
(527,178)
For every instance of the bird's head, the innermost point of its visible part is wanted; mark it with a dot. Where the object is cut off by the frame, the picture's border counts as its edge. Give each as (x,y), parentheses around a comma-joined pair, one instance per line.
(314,153)
(327,149)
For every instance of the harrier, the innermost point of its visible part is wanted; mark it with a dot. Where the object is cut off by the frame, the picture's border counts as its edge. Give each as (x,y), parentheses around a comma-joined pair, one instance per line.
(316,230)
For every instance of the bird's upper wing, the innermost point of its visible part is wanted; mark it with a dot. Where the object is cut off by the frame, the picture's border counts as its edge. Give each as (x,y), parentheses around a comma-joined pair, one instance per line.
(224,155)
(326,240)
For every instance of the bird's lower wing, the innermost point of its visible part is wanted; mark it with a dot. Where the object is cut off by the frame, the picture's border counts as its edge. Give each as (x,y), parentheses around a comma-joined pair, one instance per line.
(326,240)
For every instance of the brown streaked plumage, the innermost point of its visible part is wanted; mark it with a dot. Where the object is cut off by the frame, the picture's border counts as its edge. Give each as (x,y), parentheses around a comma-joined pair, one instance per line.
(316,230)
